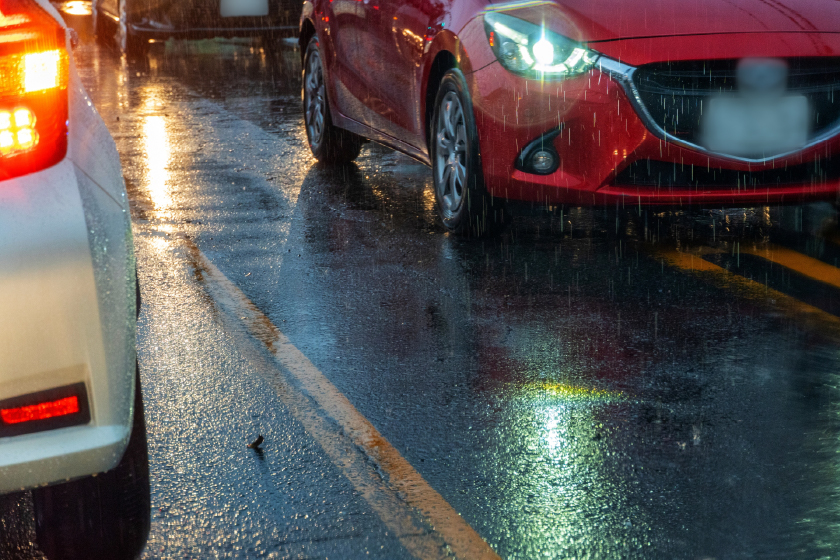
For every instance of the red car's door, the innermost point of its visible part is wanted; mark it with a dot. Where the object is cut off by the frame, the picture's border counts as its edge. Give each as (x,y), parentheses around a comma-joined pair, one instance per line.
(408,26)
(396,37)
(381,82)
(408,30)
(341,50)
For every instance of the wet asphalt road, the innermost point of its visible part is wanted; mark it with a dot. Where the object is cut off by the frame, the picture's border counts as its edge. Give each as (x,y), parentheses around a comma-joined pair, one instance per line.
(616,383)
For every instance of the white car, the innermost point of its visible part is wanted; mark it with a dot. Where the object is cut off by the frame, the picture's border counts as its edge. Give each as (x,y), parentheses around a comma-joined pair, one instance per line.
(70,401)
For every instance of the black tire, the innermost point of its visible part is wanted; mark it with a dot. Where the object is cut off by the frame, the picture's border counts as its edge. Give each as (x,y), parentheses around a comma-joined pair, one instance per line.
(118,35)
(139,300)
(329,144)
(464,205)
(107,516)
(134,47)
(101,28)
(128,43)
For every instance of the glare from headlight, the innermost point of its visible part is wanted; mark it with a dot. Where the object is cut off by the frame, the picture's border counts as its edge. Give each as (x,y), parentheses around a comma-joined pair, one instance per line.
(533,51)
(543,52)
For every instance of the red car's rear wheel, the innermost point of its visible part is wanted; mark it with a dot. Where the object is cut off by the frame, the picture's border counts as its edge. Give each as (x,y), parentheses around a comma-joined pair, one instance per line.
(329,144)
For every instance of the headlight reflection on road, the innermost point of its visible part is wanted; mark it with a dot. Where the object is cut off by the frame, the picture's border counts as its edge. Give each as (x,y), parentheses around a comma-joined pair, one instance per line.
(560,468)
(554,429)
(555,404)
(156,144)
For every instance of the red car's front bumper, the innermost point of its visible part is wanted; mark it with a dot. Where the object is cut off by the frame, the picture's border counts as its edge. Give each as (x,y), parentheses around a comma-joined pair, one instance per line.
(603,143)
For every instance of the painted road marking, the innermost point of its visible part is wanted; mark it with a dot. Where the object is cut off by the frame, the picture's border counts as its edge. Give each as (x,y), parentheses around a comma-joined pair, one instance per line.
(426,525)
(796,261)
(756,291)
(296,382)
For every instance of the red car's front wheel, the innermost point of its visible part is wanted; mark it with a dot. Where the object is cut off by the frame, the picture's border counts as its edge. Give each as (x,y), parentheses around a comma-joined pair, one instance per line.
(463,203)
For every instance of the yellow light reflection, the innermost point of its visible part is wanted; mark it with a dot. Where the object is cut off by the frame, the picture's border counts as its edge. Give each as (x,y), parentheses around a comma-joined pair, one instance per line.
(551,402)
(156,142)
(572,392)
(77,8)
(160,245)
(12,20)
(429,202)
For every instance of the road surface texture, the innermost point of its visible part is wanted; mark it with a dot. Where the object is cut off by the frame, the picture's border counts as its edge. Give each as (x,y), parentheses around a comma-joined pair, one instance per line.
(608,383)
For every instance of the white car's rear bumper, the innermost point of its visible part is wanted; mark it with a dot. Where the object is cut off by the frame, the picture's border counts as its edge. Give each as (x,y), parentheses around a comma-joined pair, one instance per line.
(53,304)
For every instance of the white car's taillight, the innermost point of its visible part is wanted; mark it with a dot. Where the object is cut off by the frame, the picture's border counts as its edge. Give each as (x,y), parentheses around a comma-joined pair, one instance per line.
(34,69)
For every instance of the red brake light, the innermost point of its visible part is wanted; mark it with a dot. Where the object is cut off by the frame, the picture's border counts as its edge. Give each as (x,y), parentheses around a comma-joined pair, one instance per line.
(34,72)
(40,411)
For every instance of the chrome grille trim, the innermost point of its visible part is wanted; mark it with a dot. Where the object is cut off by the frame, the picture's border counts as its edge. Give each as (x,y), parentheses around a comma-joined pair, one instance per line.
(623,74)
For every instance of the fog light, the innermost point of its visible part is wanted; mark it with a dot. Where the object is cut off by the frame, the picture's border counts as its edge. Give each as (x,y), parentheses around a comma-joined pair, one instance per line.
(539,156)
(543,161)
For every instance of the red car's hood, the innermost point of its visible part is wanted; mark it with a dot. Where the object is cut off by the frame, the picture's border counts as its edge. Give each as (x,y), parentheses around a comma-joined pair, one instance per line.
(604,20)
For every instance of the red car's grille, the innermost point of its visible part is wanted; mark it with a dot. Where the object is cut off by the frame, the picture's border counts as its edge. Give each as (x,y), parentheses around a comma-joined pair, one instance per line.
(674,92)
(663,174)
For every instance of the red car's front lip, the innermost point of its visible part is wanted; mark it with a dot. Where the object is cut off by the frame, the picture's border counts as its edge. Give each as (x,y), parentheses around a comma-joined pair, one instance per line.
(603,134)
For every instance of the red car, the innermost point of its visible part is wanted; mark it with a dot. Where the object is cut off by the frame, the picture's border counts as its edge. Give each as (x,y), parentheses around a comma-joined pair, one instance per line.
(582,102)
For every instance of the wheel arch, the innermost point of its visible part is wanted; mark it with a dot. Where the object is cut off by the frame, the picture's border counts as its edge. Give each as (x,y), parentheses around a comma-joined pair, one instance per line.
(445,52)
(443,62)
(307,29)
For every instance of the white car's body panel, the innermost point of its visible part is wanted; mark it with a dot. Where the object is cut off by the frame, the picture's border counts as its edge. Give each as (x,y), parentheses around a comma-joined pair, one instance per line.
(67,300)
(50,9)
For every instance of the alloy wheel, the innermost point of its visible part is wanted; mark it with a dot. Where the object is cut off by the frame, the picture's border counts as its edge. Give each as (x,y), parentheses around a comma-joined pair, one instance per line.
(314,101)
(451,154)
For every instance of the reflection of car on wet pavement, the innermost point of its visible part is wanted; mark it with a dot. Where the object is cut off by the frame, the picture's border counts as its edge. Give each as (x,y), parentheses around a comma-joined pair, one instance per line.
(581,103)
(70,402)
(132,23)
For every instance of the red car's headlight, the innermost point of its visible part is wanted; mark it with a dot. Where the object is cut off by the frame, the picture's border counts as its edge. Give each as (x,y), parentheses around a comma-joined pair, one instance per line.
(34,68)
(533,51)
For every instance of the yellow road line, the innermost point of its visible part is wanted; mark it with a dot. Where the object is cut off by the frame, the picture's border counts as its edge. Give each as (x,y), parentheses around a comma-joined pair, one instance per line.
(404,489)
(803,264)
(689,261)
(694,262)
